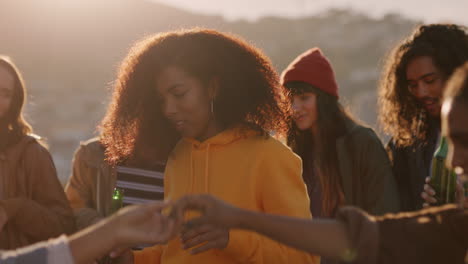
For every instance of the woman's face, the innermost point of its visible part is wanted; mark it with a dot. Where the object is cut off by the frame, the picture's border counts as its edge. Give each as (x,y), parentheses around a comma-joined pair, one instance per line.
(186,103)
(304,107)
(426,83)
(7,84)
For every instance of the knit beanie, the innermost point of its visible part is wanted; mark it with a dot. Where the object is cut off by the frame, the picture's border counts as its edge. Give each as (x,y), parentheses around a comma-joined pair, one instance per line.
(314,68)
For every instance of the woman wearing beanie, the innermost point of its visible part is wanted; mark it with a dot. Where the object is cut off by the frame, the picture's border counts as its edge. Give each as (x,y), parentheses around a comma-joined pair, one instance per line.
(344,163)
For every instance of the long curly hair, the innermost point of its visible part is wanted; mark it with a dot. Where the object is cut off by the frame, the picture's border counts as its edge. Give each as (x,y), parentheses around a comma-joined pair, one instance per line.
(400,114)
(13,126)
(249,92)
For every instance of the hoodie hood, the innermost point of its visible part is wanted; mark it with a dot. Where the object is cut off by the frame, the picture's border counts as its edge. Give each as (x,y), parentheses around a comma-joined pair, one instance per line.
(220,140)
(314,68)
(225,137)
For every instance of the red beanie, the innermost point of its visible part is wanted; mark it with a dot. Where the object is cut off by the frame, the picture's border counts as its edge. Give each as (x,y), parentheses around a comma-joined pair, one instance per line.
(313,68)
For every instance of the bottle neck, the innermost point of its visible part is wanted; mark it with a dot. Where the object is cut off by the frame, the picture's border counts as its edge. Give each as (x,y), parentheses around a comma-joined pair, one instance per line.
(442,150)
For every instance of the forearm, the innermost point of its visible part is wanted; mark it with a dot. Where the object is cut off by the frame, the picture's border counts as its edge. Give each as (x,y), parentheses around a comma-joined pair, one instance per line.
(93,242)
(321,237)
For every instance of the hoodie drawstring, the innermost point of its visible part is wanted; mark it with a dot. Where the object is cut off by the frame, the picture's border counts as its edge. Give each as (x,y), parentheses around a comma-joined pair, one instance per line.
(190,190)
(207,166)
(207,163)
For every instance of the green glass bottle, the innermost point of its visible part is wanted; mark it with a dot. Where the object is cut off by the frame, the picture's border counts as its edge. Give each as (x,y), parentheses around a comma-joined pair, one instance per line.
(117,200)
(465,188)
(443,180)
(463,178)
(116,204)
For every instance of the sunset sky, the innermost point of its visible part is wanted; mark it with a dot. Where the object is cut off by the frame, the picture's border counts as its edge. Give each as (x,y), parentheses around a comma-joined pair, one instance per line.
(426,10)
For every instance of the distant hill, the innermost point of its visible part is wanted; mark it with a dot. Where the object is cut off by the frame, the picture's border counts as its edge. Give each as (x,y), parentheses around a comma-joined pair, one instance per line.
(69,51)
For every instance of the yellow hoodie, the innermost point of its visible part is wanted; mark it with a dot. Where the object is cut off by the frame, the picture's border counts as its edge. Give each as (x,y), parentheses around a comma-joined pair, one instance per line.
(248,171)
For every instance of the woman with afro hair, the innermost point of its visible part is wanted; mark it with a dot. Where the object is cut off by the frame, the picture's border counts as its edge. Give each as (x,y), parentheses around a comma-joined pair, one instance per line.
(223,97)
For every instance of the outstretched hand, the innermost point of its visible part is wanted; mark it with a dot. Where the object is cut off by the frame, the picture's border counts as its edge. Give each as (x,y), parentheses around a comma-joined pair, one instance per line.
(144,224)
(213,211)
(199,239)
(130,226)
(148,224)
(211,229)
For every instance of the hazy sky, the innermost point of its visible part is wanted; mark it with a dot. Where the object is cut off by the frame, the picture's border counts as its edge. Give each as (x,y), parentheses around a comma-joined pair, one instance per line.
(426,10)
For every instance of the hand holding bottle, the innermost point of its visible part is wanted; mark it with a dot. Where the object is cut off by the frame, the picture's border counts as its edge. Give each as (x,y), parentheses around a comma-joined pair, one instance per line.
(428,194)
(442,180)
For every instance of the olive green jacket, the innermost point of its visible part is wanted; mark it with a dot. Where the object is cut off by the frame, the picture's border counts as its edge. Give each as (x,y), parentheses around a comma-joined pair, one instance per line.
(366,172)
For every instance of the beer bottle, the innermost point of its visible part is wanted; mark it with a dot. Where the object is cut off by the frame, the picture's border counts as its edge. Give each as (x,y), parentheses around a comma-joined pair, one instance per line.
(442,179)
(117,200)
(116,204)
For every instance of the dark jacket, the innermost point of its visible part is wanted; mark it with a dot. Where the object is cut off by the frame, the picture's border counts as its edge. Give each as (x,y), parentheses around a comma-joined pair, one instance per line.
(365,170)
(31,195)
(411,165)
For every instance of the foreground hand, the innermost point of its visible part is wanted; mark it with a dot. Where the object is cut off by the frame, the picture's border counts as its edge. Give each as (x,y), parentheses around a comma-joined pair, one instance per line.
(204,238)
(214,211)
